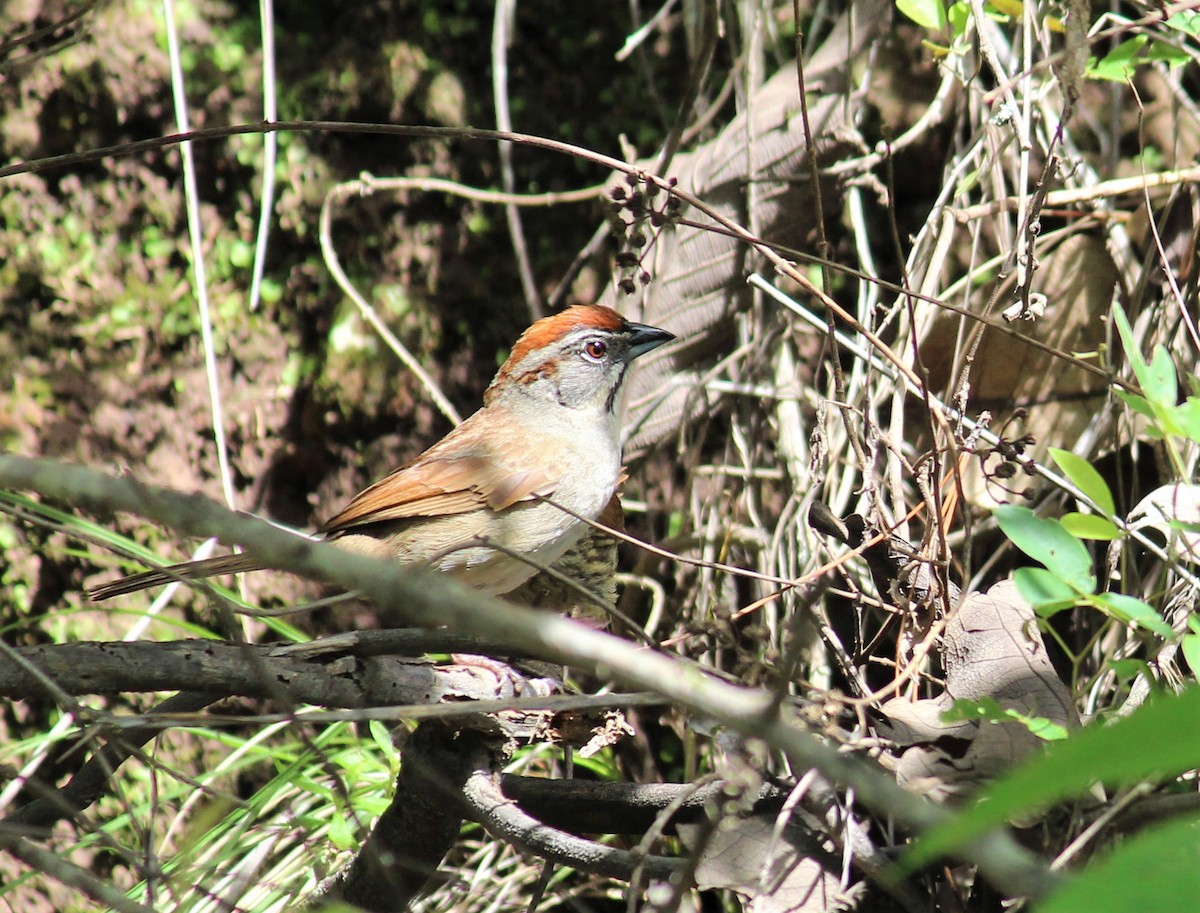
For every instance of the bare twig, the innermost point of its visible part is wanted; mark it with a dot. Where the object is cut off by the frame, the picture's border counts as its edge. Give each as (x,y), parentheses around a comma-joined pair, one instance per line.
(369,314)
(502,23)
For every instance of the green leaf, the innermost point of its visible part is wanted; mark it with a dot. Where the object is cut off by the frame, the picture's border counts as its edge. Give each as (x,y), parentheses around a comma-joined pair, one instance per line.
(1187,22)
(967,183)
(1168,53)
(341,832)
(1012,9)
(1086,479)
(305,782)
(958,16)
(1161,385)
(1158,869)
(1135,402)
(1190,644)
(1158,379)
(1119,64)
(1186,418)
(1044,729)
(1043,590)
(1158,740)
(1129,669)
(1126,608)
(1090,526)
(1132,351)
(930,14)
(1046,541)
(382,737)
(987,708)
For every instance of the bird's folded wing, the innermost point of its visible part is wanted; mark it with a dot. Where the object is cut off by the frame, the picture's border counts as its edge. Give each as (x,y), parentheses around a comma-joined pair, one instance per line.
(437,487)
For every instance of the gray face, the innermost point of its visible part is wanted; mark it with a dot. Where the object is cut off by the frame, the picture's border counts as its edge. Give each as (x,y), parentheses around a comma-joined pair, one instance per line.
(598,360)
(577,359)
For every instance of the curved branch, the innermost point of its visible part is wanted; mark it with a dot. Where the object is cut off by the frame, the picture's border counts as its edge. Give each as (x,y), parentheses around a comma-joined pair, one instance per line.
(594,807)
(227,669)
(346,678)
(448,773)
(485,803)
(413,595)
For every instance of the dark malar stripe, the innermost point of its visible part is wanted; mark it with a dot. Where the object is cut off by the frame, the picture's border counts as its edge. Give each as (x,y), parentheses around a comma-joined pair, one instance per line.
(612,396)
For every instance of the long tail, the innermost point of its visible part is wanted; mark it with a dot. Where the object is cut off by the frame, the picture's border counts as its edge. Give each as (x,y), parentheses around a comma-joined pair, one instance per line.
(188,570)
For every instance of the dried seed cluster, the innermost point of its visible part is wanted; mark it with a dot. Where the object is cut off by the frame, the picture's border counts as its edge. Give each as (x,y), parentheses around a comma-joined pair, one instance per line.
(639,210)
(1002,462)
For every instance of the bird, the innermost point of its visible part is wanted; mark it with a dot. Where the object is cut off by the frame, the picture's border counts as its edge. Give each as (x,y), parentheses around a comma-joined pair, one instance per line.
(508,492)
(583,582)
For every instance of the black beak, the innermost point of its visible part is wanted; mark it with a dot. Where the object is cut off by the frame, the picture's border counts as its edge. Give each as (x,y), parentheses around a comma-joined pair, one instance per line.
(643,338)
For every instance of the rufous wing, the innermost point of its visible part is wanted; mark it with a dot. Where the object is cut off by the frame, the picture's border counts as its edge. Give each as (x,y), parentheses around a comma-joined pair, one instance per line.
(438,487)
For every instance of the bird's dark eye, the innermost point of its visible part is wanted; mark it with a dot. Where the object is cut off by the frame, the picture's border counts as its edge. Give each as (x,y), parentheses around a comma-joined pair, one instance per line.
(595,349)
